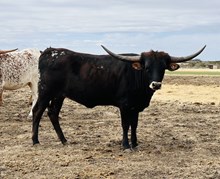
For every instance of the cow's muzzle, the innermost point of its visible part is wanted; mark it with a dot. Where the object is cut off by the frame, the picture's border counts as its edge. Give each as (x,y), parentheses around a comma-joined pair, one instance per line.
(155,85)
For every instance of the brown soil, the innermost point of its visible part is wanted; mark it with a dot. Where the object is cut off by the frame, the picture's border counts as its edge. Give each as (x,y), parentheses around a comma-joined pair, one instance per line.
(178,137)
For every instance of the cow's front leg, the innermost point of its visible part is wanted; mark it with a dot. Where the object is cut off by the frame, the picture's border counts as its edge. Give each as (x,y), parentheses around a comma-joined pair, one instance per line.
(129,118)
(134,124)
(125,126)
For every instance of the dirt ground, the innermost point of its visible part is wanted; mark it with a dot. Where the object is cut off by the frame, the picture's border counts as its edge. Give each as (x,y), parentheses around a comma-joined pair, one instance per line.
(178,137)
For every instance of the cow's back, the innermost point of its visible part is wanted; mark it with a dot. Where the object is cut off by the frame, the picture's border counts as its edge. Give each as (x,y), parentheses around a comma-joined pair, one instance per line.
(19,68)
(88,79)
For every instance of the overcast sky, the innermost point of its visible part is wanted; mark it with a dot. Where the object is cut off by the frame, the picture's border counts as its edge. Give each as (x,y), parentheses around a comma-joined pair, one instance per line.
(176,27)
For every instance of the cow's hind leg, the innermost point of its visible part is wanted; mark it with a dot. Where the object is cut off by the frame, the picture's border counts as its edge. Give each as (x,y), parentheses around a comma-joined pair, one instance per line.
(33,97)
(38,111)
(53,113)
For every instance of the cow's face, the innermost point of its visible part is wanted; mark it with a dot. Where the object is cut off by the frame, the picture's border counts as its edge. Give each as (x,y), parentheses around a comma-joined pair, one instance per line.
(154,64)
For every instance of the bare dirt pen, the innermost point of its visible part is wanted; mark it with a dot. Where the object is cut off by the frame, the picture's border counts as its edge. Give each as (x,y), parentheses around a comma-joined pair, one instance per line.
(178,137)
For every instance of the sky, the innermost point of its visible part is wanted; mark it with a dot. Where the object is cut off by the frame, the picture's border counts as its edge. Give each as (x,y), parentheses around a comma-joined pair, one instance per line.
(179,28)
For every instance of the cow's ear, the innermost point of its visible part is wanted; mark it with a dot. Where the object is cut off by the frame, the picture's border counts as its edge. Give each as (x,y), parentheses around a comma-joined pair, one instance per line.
(173,66)
(137,66)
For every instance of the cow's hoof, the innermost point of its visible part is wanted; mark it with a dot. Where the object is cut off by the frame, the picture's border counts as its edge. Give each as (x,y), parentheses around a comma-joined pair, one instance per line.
(133,146)
(125,147)
(65,142)
(35,141)
(128,150)
(36,144)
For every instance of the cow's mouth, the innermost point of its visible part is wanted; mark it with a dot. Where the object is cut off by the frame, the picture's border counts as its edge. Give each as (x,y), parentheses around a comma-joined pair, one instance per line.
(155,85)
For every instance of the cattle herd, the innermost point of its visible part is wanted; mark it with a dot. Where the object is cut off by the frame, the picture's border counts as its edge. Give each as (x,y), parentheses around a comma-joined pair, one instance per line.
(126,81)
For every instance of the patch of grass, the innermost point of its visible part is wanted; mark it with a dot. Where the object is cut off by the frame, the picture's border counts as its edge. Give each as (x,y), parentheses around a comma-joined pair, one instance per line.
(194,72)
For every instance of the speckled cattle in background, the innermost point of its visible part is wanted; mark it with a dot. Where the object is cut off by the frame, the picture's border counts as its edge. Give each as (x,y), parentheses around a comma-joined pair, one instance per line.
(18,69)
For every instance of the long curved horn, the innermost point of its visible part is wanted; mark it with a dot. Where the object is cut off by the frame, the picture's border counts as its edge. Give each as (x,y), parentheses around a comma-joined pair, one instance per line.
(121,57)
(187,58)
(7,51)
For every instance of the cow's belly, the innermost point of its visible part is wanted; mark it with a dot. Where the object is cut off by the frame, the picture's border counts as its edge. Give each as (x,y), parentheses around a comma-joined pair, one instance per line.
(13,86)
(15,81)
(91,100)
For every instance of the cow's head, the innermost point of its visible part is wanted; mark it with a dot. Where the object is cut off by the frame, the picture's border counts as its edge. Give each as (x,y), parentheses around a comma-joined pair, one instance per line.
(154,64)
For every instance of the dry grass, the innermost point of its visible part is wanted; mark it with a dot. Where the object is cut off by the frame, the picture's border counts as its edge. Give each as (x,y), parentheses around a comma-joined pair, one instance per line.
(178,137)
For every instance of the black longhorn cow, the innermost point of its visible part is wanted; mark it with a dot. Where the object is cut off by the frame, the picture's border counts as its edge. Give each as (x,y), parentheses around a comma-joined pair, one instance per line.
(127,82)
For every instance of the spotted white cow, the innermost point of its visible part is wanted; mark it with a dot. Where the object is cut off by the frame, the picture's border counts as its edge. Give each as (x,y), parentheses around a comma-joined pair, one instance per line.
(18,69)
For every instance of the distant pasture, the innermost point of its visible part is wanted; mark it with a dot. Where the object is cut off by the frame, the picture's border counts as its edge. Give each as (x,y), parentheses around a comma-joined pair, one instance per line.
(195,72)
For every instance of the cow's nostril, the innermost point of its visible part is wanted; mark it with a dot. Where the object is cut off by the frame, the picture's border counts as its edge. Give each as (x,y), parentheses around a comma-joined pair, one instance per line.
(158,85)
